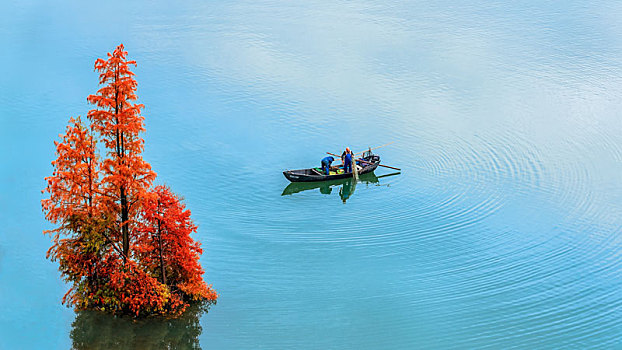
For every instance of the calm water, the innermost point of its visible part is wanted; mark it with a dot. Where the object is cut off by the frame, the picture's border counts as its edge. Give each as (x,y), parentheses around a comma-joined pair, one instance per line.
(503,230)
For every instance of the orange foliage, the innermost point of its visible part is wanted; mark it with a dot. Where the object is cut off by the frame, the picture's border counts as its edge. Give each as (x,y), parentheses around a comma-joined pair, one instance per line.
(165,247)
(123,247)
(73,186)
(126,176)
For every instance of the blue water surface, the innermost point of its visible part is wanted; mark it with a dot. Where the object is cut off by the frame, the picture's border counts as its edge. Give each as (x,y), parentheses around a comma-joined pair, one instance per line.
(504,229)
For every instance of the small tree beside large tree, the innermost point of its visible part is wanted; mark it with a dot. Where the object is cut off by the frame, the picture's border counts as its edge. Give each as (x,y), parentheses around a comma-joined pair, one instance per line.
(123,245)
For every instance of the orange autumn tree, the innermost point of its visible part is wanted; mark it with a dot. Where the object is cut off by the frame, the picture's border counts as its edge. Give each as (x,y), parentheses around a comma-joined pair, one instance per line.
(74,206)
(117,119)
(166,249)
(104,205)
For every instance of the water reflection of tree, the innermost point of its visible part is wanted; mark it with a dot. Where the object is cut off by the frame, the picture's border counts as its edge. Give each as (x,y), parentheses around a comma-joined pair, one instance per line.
(94,330)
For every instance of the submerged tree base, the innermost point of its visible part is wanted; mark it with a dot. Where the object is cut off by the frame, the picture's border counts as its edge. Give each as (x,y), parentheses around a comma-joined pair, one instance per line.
(131,291)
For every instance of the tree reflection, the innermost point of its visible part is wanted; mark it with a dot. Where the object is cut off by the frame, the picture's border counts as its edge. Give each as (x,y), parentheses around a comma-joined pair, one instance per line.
(94,330)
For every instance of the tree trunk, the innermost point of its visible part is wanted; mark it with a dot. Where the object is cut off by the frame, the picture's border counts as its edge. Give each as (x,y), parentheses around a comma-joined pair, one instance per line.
(120,153)
(124,226)
(162,271)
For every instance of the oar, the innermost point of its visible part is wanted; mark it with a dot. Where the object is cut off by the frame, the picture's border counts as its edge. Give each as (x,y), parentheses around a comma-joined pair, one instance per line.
(369,149)
(364,161)
(386,144)
(382,165)
(387,175)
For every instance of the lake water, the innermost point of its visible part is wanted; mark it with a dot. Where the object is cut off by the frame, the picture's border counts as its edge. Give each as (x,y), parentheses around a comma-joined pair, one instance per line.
(503,230)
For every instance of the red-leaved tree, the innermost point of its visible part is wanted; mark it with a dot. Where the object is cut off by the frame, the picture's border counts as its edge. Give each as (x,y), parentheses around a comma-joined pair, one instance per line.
(124,247)
(166,249)
(80,238)
(117,119)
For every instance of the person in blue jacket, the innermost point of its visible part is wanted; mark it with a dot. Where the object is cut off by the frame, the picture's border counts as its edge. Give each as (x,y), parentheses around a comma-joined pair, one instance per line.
(326,162)
(346,158)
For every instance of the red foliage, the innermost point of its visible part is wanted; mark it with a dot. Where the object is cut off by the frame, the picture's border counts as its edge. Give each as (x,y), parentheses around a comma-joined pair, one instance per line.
(165,247)
(73,186)
(127,290)
(126,176)
(124,249)
(74,204)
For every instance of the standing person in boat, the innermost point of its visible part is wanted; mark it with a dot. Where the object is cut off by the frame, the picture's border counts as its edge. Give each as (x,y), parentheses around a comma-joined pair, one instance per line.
(326,162)
(346,158)
(344,153)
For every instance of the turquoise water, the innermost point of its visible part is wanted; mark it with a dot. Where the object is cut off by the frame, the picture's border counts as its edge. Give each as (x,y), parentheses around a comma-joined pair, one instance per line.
(503,230)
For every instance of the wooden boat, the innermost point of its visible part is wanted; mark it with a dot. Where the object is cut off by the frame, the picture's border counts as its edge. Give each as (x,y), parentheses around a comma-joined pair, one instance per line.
(369,164)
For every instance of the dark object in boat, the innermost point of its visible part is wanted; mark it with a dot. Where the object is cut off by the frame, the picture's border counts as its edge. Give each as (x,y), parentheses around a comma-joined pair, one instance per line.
(369,164)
